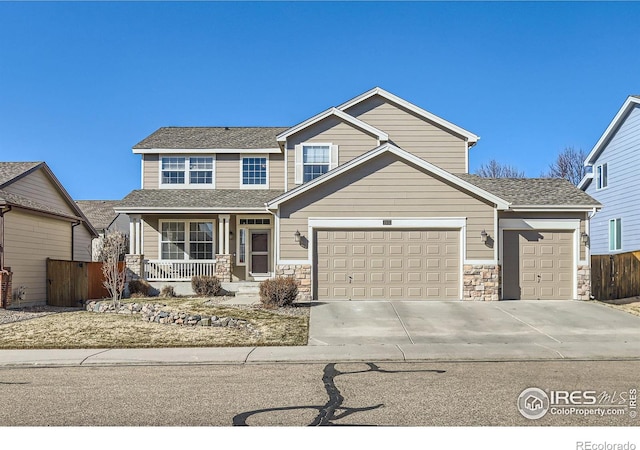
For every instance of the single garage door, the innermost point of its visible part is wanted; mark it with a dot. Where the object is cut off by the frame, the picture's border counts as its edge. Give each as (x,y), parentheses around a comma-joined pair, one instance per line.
(385,264)
(538,265)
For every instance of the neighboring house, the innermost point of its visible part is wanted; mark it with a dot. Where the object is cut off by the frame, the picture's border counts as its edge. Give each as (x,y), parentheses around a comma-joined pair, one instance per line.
(38,220)
(104,218)
(614,161)
(368,200)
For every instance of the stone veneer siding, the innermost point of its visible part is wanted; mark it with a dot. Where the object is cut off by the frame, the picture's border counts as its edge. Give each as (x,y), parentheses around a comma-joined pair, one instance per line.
(223,268)
(481,282)
(134,267)
(302,274)
(584,282)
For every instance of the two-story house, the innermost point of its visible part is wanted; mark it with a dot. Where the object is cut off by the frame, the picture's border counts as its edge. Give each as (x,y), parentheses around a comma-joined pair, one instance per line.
(367,200)
(613,162)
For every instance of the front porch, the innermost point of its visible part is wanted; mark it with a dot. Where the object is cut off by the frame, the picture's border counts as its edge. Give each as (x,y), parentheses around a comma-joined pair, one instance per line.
(174,248)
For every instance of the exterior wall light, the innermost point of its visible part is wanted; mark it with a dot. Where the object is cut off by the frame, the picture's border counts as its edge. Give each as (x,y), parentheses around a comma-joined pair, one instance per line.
(296,236)
(483,236)
(585,238)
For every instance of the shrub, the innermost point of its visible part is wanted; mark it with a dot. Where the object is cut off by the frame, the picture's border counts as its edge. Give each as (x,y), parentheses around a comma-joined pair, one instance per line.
(281,291)
(167,291)
(140,288)
(206,286)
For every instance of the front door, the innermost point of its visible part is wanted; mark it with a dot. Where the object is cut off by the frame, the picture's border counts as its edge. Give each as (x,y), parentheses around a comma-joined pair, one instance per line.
(259,250)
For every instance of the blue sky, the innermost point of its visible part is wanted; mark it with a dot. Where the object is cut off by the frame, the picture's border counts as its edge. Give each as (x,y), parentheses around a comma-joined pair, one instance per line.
(82,82)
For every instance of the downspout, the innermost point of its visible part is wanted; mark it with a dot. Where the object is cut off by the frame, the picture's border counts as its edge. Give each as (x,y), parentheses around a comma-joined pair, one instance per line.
(73,234)
(2,213)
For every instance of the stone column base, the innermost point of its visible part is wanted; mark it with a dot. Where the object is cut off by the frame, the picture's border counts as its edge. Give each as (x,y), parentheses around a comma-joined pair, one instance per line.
(224,268)
(584,282)
(134,267)
(6,291)
(302,274)
(481,282)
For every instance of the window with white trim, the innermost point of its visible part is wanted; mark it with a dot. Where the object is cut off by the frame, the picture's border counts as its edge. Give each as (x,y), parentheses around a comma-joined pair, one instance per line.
(254,171)
(602,176)
(316,160)
(186,170)
(176,243)
(242,246)
(615,234)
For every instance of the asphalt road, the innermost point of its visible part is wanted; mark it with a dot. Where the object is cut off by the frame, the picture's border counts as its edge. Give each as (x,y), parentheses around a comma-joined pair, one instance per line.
(396,394)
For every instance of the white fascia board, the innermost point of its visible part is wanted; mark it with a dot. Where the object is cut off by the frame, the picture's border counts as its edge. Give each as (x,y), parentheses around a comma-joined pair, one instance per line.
(381,135)
(630,103)
(501,203)
(586,180)
(197,151)
(418,222)
(470,137)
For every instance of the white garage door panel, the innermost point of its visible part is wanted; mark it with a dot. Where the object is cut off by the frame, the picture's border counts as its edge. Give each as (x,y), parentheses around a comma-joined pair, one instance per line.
(380,264)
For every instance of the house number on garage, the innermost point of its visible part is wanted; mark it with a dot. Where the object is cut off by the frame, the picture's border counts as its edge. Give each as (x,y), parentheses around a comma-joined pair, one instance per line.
(386,221)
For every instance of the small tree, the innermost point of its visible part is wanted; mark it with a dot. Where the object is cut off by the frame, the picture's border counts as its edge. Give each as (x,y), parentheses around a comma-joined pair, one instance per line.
(568,165)
(493,169)
(114,245)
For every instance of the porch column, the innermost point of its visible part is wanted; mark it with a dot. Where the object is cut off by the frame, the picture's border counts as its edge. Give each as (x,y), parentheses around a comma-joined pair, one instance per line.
(220,249)
(135,235)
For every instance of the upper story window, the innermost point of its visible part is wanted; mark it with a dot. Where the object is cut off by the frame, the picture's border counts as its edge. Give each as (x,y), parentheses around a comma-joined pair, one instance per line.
(254,172)
(315,161)
(602,176)
(186,171)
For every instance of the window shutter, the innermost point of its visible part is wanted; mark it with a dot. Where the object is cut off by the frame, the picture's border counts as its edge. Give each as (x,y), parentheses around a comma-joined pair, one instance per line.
(333,161)
(298,164)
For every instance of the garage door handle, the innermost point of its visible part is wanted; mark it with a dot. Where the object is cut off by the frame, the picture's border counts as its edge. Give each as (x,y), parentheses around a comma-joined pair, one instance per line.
(350,279)
(539,277)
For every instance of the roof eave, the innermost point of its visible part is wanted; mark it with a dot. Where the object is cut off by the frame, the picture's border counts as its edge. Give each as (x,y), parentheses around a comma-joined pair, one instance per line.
(146,151)
(187,210)
(629,103)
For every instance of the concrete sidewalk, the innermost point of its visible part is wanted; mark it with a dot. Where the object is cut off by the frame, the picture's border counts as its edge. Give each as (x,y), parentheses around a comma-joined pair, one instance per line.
(321,354)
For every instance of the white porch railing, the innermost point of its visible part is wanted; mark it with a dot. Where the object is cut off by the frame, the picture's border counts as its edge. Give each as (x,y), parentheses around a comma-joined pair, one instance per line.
(178,270)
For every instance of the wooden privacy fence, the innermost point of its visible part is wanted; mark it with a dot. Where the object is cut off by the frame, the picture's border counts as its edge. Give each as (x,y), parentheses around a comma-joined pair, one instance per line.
(69,283)
(615,276)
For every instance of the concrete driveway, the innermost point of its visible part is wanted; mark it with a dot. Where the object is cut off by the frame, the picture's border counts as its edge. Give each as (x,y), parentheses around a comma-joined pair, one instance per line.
(541,323)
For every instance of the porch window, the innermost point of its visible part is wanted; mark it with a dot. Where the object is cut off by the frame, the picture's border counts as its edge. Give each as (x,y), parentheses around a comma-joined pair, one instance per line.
(254,171)
(615,234)
(173,240)
(176,243)
(315,161)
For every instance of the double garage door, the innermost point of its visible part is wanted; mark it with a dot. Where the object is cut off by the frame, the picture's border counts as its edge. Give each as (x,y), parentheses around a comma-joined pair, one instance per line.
(387,264)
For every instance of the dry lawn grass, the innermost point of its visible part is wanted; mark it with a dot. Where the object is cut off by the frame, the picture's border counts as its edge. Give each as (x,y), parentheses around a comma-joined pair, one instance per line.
(632,307)
(83,329)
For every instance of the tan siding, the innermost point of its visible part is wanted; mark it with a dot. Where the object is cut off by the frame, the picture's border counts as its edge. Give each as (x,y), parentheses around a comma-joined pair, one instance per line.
(29,240)
(151,171)
(38,187)
(351,142)
(276,171)
(414,134)
(386,187)
(227,171)
(82,242)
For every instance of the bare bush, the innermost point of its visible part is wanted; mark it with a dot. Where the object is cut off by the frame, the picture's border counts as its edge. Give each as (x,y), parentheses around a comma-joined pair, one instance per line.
(281,291)
(114,245)
(206,286)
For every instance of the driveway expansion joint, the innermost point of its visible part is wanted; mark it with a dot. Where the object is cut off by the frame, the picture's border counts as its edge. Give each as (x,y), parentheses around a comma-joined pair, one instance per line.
(529,325)
(401,322)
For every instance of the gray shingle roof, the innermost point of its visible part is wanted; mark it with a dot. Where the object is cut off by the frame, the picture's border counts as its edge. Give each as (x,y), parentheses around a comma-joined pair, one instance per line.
(533,191)
(198,198)
(11,170)
(212,138)
(99,212)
